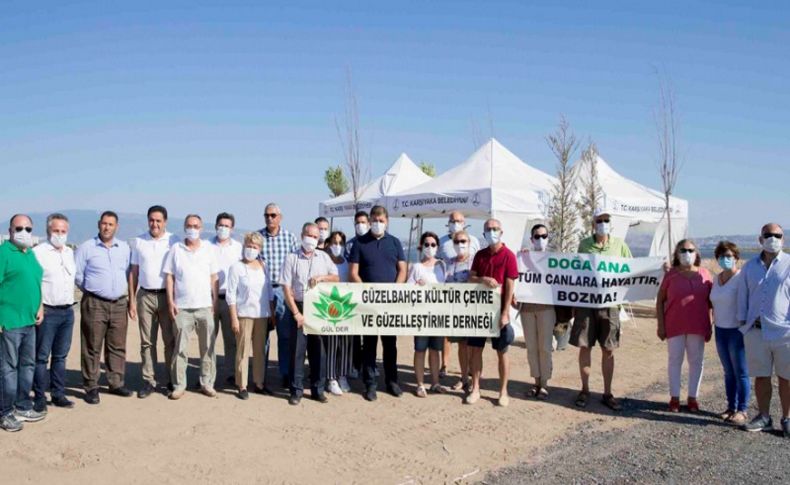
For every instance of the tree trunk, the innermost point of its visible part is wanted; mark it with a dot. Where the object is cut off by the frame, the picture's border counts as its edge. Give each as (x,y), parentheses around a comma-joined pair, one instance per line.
(669,228)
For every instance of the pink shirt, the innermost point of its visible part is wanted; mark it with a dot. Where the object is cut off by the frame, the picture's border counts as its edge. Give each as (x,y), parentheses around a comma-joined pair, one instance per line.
(687,305)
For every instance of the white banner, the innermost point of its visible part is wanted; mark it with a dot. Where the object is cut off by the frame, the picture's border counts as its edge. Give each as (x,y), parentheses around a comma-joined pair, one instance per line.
(452,309)
(586,280)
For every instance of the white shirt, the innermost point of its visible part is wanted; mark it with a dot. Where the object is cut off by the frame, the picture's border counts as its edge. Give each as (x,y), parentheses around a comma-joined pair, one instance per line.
(148,254)
(447,249)
(419,272)
(458,271)
(250,289)
(227,254)
(298,269)
(725,302)
(192,270)
(57,286)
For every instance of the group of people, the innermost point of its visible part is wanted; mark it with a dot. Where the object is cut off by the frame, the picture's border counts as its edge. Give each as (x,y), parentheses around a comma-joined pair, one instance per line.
(179,286)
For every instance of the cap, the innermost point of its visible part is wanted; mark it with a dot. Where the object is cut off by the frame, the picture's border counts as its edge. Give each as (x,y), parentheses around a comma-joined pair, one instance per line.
(599,211)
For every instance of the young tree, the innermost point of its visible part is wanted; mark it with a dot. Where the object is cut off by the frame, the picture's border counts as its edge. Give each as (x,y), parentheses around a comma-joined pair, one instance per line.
(356,171)
(336,180)
(428,169)
(669,163)
(591,192)
(563,214)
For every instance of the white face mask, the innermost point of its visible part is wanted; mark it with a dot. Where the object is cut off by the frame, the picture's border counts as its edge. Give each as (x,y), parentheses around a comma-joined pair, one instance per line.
(378,228)
(323,235)
(361,228)
(429,252)
(540,244)
(687,259)
(454,227)
(223,233)
(460,249)
(336,250)
(192,234)
(251,254)
(602,228)
(493,236)
(58,240)
(309,244)
(23,239)
(772,245)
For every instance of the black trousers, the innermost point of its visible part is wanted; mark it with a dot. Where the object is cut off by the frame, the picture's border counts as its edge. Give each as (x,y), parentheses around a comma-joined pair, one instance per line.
(369,348)
(300,343)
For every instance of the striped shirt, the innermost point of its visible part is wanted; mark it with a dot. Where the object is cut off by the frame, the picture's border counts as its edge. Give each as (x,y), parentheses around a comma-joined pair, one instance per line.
(275,249)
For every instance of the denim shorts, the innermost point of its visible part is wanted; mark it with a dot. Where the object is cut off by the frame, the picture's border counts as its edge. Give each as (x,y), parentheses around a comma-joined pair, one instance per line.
(500,344)
(421,344)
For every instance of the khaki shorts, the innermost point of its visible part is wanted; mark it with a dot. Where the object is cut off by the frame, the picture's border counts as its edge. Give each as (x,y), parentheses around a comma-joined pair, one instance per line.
(764,358)
(600,325)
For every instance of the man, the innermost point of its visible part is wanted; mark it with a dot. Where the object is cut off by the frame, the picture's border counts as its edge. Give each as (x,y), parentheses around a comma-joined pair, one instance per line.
(361,227)
(277,244)
(495,267)
(764,314)
(456,222)
(600,325)
(191,281)
(148,297)
(102,275)
(323,231)
(301,271)
(53,336)
(377,257)
(228,252)
(20,312)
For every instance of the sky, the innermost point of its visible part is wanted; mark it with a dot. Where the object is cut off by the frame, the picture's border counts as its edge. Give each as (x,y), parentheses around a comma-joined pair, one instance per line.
(225,106)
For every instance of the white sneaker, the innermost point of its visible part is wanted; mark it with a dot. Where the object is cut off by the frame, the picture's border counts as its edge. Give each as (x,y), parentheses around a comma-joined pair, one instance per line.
(334,388)
(344,386)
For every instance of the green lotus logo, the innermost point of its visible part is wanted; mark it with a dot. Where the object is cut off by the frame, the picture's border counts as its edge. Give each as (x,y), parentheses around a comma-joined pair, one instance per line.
(334,308)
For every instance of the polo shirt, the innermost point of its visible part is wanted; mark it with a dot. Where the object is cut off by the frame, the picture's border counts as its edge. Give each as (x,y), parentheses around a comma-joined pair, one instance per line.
(377,258)
(227,254)
(20,286)
(148,254)
(498,265)
(192,270)
(614,246)
(298,268)
(57,287)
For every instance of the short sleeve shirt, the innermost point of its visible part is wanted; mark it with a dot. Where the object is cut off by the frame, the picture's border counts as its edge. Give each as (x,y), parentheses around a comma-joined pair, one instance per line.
(20,286)
(192,270)
(148,254)
(498,265)
(686,310)
(377,258)
(299,268)
(614,246)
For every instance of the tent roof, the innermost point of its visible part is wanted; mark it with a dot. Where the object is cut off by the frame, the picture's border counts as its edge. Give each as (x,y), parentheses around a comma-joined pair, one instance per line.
(492,180)
(625,197)
(402,174)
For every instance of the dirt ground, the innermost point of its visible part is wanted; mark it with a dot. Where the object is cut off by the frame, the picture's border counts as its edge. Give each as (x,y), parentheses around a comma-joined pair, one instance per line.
(264,440)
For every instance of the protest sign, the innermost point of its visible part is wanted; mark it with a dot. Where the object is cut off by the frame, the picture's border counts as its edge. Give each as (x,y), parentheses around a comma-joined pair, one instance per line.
(586,280)
(452,310)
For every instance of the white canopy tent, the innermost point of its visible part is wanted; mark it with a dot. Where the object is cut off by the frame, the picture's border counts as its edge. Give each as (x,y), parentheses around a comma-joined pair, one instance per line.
(631,203)
(402,175)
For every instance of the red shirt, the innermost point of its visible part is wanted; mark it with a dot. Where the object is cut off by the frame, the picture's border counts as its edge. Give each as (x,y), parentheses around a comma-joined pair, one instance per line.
(687,307)
(499,265)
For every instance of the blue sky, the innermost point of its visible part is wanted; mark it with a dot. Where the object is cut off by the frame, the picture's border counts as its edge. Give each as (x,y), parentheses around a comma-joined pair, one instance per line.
(228,106)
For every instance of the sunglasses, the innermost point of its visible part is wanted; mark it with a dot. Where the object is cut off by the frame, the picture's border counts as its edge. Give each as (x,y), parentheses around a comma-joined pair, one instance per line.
(27,229)
(540,236)
(270,216)
(687,250)
(429,245)
(461,241)
(772,234)
(598,221)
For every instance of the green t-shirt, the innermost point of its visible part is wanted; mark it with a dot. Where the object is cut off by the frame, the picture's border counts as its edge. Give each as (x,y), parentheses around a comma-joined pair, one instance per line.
(20,286)
(614,246)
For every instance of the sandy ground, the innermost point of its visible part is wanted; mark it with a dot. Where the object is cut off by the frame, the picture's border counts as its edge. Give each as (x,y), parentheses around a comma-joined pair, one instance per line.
(263,440)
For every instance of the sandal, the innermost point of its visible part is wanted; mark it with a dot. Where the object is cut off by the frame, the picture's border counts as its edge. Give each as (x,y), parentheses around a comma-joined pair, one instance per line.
(420,392)
(533,391)
(610,402)
(460,386)
(581,399)
(727,415)
(438,389)
(543,394)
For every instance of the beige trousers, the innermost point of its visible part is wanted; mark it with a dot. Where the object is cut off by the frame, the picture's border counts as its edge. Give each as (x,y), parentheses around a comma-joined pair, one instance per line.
(153,315)
(538,325)
(251,339)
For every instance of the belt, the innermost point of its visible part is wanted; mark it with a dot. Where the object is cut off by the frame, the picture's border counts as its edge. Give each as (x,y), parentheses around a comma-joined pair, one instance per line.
(58,307)
(221,296)
(106,300)
(158,291)
(275,285)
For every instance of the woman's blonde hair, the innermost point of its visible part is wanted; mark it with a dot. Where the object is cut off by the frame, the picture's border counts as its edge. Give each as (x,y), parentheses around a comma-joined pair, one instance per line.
(254,238)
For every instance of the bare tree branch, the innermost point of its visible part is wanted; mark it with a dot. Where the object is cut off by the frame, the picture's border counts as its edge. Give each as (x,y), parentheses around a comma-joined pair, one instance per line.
(669,163)
(356,171)
(591,188)
(563,214)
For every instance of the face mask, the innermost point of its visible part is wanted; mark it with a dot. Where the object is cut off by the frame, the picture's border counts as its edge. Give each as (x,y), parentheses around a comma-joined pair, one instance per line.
(493,237)
(23,239)
(686,259)
(460,249)
(602,228)
(58,240)
(309,244)
(336,250)
(429,252)
(455,227)
(323,235)
(378,228)
(362,229)
(192,234)
(251,254)
(772,245)
(223,233)
(540,244)
(726,263)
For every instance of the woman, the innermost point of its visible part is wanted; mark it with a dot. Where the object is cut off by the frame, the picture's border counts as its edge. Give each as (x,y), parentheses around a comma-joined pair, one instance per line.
(428,270)
(683,310)
(538,323)
(338,347)
(729,340)
(250,300)
(458,272)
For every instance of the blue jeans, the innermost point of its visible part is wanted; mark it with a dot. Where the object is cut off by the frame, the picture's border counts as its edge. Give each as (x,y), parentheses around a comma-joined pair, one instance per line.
(284,324)
(17,364)
(53,337)
(729,343)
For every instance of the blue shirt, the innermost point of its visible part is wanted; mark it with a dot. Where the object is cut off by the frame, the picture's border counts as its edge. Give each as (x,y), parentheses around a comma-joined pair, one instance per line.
(377,258)
(102,270)
(764,293)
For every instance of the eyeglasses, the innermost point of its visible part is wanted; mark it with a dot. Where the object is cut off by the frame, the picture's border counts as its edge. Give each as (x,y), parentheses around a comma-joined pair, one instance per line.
(27,229)
(540,236)
(271,216)
(492,229)
(687,250)
(766,235)
(429,245)
(598,221)
(461,241)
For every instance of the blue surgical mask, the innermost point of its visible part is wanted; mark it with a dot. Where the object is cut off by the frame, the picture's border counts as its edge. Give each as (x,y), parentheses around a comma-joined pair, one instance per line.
(726,262)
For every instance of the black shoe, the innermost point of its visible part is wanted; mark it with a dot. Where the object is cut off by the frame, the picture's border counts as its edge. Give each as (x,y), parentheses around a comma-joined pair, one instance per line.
(62,402)
(294,399)
(231,380)
(40,406)
(394,389)
(785,427)
(286,382)
(146,391)
(370,394)
(263,390)
(170,387)
(121,391)
(243,395)
(320,397)
(92,396)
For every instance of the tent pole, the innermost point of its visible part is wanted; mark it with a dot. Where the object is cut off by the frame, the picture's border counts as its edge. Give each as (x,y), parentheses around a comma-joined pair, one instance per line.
(331,224)
(408,252)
